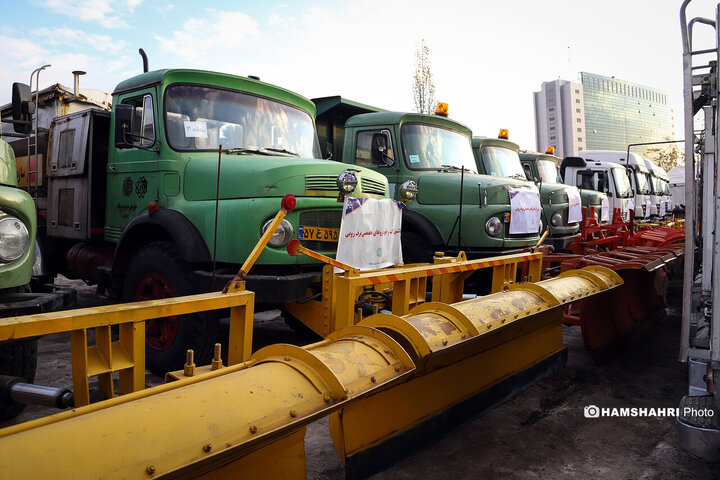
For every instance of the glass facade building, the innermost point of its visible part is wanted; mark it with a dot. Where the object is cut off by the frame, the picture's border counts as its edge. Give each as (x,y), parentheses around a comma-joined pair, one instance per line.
(619,113)
(600,113)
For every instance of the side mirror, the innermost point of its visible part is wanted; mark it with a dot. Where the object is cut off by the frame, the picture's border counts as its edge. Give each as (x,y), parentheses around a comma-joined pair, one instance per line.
(328,151)
(123,125)
(379,148)
(22,108)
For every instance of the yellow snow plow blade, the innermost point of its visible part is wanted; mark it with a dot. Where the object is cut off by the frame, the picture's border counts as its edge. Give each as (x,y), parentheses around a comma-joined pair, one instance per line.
(246,420)
(469,356)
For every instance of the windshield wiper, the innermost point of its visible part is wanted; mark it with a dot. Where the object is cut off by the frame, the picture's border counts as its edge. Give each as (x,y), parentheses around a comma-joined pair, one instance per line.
(281,150)
(447,168)
(256,150)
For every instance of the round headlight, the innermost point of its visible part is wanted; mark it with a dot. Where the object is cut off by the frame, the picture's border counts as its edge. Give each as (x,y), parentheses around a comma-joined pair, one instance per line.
(346,182)
(493,227)
(556,220)
(408,190)
(14,238)
(283,234)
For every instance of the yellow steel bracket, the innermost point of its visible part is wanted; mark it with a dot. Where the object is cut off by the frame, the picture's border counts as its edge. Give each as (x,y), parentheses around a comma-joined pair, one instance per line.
(294,248)
(126,355)
(542,239)
(287,205)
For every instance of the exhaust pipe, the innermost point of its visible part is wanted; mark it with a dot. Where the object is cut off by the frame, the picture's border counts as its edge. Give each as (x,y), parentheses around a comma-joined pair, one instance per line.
(144,59)
(76,85)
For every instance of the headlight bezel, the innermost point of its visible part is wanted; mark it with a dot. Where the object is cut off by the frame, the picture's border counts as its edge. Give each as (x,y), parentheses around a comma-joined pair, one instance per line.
(495,229)
(283,233)
(556,219)
(17,251)
(347,182)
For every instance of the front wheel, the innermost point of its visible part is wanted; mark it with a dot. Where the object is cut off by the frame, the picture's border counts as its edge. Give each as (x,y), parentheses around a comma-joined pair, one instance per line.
(158,271)
(415,249)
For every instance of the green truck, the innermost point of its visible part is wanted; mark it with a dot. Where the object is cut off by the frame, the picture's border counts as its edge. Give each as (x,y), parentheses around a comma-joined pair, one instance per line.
(545,168)
(500,157)
(134,196)
(18,227)
(456,207)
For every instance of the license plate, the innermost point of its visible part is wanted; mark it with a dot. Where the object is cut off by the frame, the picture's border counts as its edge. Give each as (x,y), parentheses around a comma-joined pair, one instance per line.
(319,234)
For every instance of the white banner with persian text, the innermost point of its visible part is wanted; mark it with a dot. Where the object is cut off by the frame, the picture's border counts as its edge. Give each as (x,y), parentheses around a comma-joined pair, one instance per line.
(370,233)
(574,206)
(604,209)
(524,210)
(630,206)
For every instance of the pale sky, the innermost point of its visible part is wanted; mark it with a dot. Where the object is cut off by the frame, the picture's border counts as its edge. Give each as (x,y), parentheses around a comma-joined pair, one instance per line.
(487,57)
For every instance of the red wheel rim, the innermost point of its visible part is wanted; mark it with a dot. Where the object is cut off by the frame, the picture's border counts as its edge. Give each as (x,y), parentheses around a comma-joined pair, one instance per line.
(160,333)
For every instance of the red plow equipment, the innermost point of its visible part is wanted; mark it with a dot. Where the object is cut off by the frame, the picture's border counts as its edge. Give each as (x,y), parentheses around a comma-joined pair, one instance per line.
(646,257)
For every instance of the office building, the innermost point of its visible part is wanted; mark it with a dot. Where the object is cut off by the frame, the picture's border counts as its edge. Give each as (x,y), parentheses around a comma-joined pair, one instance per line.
(600,113)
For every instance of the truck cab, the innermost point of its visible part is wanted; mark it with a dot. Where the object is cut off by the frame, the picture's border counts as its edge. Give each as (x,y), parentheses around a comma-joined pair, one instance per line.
(545,167)
(638,173)
(456,208)
(500,157)
(609,178)
(660,183)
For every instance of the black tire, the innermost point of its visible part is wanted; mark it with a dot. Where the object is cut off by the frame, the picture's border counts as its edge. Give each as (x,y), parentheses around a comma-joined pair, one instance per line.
(416,249)
(158,271)
(18,358)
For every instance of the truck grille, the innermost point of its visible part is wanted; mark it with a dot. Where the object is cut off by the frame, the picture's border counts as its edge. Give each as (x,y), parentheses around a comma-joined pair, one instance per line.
(321,218)
(373,187)
(321,182)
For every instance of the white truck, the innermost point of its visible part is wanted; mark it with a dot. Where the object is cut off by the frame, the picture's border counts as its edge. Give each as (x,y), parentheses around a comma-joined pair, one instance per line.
(607,177)
(638,173)
(660,182)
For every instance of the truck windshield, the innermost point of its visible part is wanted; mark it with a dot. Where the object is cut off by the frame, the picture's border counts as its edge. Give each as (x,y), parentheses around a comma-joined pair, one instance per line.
(549,172)
(666,187)
(201,118)
(501,162)
(427,147)
(657,185)
(643,182)
(622,182)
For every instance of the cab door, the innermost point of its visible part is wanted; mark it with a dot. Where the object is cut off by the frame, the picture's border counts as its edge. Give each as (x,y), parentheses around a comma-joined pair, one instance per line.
(132,180)
(375,149)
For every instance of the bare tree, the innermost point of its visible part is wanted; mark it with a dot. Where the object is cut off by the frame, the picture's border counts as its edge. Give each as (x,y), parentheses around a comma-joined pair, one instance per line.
(423,86)
(666,156)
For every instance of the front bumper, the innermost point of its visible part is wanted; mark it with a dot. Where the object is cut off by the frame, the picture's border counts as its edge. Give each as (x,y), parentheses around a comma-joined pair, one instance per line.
(268,289)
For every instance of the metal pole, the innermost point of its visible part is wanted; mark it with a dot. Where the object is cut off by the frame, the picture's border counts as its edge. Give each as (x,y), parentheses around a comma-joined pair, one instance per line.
(37,121)
(689,188)
(217,202)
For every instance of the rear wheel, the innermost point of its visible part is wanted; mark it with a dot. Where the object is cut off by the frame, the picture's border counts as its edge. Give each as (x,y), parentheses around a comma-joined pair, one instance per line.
(158,271)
